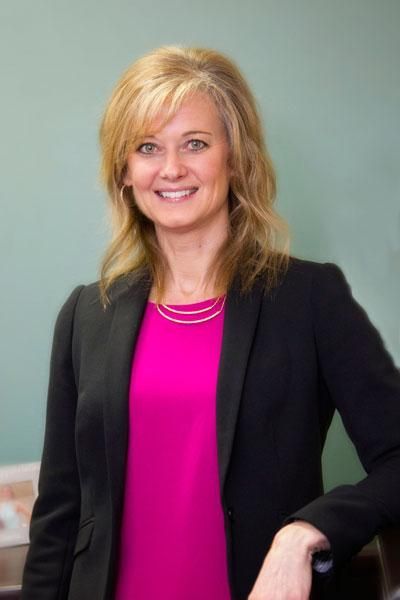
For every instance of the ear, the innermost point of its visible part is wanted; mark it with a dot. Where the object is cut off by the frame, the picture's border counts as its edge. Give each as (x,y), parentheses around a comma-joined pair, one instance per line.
(126,177)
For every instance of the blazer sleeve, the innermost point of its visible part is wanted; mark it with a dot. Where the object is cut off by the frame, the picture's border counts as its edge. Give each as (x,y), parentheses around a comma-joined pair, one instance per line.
(364,385)
(56,511)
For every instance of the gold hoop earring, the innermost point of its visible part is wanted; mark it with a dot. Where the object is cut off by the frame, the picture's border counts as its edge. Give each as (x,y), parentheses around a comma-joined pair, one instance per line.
(121,193)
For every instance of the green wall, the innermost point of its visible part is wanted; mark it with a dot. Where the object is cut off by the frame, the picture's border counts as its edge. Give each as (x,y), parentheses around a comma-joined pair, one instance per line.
(327,78)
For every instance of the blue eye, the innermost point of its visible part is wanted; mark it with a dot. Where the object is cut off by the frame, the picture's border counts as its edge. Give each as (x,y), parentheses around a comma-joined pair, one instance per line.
(147,148)
(197,145)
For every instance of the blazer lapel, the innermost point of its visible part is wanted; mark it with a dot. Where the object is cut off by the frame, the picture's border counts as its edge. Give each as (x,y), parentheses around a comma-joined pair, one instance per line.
(129,307)
(241,315)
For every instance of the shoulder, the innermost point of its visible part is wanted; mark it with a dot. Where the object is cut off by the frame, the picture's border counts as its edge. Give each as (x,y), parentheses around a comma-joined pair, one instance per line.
(81,299)
(313,292)
(312,278)
(84,306)
(88,297)
(334,312)
(300,268)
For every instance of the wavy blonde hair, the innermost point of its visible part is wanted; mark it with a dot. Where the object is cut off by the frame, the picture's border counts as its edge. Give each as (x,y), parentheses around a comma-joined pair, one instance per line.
(158,83)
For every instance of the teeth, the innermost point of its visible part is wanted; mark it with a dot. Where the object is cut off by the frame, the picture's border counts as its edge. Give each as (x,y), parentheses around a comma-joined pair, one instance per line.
(178,194)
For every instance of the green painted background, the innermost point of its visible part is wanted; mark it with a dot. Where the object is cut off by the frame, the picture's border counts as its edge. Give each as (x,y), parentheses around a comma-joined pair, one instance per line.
(326,75)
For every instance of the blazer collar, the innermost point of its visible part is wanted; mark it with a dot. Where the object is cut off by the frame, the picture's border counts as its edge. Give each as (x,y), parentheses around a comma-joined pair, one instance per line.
(241,315)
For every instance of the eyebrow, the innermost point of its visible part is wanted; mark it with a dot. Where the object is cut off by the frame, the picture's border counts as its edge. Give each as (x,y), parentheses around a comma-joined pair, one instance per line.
(196,132)
(191,132)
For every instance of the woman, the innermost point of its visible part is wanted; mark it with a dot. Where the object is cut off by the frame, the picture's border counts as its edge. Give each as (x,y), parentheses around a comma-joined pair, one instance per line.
(191,390)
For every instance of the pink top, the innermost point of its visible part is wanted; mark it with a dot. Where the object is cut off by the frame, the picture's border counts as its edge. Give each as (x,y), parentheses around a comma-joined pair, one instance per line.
(172,538)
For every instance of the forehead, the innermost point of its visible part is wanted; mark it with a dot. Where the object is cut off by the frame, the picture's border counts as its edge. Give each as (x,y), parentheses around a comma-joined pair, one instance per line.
(195,113)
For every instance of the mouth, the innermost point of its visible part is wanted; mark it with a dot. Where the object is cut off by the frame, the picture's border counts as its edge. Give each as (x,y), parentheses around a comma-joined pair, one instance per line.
(176,195)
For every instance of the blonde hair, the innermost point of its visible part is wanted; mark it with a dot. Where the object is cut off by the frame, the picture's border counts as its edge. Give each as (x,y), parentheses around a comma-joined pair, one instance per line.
(158,83)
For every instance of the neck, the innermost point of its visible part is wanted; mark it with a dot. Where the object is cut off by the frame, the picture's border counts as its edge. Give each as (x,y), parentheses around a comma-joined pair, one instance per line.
(190,257)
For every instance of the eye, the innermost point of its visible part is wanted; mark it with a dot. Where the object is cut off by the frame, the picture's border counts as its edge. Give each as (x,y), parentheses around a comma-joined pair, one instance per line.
(147,148)
(196,145)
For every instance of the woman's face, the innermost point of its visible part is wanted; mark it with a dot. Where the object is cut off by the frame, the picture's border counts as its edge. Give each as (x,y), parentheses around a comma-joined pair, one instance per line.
(180,173)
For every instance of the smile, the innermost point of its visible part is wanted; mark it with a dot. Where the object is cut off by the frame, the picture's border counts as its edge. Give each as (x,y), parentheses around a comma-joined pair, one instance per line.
(176,195)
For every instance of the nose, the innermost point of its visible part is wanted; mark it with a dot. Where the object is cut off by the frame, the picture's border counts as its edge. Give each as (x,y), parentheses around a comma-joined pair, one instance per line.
(173,166)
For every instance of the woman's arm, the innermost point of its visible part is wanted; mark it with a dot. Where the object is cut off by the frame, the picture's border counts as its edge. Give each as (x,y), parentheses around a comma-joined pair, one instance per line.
(364,385)
(55,514)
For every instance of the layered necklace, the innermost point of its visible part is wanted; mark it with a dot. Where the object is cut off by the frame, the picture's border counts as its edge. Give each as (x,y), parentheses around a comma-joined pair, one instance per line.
(209,312)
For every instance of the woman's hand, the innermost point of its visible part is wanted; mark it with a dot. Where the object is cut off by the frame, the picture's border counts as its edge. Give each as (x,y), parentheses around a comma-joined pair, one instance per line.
(286,573)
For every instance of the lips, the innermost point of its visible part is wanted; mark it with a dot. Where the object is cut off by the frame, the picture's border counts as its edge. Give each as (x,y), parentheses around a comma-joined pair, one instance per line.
(176,195)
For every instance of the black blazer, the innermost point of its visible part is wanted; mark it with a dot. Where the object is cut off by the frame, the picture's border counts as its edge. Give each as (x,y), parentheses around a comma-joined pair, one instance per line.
(289,358)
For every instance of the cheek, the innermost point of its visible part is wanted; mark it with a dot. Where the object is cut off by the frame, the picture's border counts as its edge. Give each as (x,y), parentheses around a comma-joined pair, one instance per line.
(142,179)
(213,174)
(218,170)
(140,174)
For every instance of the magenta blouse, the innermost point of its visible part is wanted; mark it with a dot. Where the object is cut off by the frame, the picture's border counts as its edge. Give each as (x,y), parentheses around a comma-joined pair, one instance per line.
(172,538)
